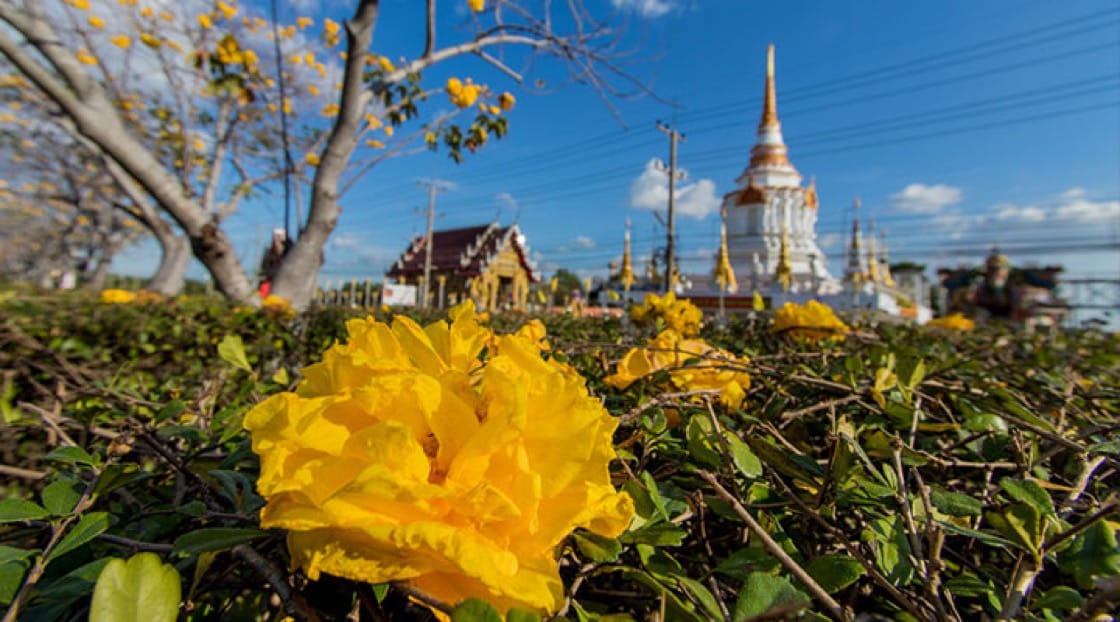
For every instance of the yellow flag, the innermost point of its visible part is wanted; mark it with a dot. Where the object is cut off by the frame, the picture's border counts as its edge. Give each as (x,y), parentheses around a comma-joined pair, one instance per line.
(757,301)
(613,295)
(553,284)
(541,297)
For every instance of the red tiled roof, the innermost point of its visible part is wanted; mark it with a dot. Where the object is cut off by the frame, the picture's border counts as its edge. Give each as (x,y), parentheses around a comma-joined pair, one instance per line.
(464,252)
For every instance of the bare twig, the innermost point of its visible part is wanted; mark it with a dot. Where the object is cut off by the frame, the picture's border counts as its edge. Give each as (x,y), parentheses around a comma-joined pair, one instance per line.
(772,547)
(294,603)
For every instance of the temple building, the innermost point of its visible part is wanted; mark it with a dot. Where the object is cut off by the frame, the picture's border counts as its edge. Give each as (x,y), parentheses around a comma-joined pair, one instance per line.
(488,263)
(769,240)
(771,199)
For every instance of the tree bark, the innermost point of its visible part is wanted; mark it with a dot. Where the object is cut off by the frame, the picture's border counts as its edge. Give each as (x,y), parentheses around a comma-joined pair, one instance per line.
(299,272)
(170,278)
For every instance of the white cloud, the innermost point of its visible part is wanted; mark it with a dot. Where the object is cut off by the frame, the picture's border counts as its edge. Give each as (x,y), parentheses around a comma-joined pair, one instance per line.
(923,199)
(1024,213)
(345,240)
(830,241)
(651,191)
(645,8)
(583,242)
(1070,207)
(1082,210)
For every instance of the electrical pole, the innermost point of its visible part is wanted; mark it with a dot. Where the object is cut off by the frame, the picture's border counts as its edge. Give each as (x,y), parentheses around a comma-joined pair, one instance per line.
(433,187)
(674,138)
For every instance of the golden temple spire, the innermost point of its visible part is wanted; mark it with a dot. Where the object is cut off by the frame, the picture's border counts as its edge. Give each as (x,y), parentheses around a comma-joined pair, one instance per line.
(888,280)
(626,273)
(724,274)
(769,97)
(872,256)
(783,272)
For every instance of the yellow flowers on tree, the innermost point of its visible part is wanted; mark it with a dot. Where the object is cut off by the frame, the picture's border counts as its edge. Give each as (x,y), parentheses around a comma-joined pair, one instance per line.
(812,321)
(446,456)
(196,141)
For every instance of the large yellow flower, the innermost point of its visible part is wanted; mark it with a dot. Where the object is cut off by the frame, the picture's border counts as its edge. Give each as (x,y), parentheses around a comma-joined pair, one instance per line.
(812,321)
(679,315)
(409,454)
(117,297)
(955,321)
(692,364)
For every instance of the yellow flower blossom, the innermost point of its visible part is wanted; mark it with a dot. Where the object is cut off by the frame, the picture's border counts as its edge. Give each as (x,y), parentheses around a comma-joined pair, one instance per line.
(812,321)
(956,321)
(147,11)
(121,41)
(373,121)
(304,22)
(314,90)
(205,21)
(330,32)
(389,130)
(117,297)
(692,365)
(476,5)
(150,40)
(409,454)
(81,5)
(85,57)
(126,2)
(312,159)
(167,16)
(330,110)
(227,11)
(494,110)
(96,22)
(386,64)
(506,101)
(277,306)
(375,144)
(679,315)
(462,95)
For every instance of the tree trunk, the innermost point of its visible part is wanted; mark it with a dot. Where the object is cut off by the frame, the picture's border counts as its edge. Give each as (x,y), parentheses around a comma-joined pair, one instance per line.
(170,278)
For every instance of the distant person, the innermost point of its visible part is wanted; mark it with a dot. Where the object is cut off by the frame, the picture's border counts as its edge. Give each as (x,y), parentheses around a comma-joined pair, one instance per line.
(273,258)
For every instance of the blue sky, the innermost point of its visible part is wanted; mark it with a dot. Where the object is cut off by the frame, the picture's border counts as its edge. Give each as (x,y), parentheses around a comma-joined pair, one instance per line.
(960,124)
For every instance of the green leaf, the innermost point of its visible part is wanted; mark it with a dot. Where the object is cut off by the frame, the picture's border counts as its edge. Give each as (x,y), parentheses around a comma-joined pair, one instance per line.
(215,539)
(700,594)
(89,526)
(61,496)
(9,553)
(1093,553)
(475,610)
(597,548)
(11,577)
(232,351)
(12,510)
(660,534)
(143,589)
(955,503)
(764,592)
(117,475)
(835,571)
(1061,597)
(1030,492)
(175,408)
(1020,523)
(654,494)
(745,460)
(522,615)
(701,444)
(72,455)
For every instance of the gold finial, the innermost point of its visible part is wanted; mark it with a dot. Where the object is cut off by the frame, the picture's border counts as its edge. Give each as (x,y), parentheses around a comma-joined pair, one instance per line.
(783,272)
(769,98)
(724,274)
(872,256)
(626,273)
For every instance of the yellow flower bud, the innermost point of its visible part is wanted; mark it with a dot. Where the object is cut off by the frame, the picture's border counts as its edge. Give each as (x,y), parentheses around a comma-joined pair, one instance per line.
(121,41)
(96,22)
